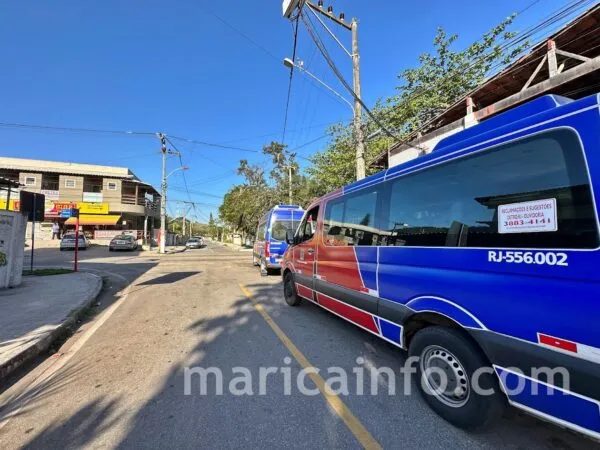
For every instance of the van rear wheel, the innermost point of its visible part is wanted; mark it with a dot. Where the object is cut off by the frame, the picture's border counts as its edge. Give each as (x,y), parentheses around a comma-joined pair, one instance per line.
(289,290)
(447,362)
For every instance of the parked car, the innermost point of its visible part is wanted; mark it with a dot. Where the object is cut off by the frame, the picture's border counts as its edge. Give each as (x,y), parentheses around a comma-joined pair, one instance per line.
(195,242)
(481,259)
(270,244)
(123,242)
(68,241)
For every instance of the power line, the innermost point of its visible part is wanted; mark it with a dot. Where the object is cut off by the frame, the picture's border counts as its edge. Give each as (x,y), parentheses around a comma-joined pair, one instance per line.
(242,34)
(213,144)
(75,130)
(321,47)
(202,194)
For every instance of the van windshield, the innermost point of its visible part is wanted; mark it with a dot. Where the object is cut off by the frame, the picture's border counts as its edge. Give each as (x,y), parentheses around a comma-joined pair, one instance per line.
(280,228)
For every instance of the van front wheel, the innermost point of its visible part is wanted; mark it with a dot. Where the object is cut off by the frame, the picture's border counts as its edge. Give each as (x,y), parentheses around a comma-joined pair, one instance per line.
(447,363)
(289,290)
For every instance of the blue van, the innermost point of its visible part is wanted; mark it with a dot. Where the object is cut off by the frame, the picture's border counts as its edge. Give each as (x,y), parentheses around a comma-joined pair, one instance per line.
(481,259)
(270,243)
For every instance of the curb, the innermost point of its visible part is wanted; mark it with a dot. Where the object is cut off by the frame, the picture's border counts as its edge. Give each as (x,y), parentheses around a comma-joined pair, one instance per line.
(63,330)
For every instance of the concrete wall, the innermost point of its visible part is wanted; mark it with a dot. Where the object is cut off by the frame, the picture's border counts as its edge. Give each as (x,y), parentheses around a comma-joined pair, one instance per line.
(31,188)
(67,194)
(428,142)
(12,247)
(111,197)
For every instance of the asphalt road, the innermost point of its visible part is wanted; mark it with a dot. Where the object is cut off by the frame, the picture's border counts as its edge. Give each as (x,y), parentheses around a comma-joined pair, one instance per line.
(120,381)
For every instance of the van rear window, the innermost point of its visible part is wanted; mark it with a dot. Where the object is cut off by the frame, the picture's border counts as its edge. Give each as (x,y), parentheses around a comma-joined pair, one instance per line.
(280,227)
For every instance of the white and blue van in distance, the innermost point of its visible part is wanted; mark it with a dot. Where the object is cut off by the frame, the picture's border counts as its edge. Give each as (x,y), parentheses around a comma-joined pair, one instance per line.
(270,243)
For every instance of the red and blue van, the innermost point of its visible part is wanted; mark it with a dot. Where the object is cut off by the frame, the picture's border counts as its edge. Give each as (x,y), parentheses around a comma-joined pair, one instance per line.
(481,256)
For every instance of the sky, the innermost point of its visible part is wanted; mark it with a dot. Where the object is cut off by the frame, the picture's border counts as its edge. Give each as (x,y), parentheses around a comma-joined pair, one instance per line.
(206,71)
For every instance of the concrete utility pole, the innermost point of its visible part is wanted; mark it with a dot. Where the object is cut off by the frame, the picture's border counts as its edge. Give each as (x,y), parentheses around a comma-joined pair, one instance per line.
(163,193)
(290,187)
(358,131)
(289,6)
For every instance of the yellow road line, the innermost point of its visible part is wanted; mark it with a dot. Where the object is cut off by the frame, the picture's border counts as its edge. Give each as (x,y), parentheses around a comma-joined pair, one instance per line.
(340,408)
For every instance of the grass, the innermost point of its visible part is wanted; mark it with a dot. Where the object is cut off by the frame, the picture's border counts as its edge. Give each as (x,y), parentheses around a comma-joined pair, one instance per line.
(45,272)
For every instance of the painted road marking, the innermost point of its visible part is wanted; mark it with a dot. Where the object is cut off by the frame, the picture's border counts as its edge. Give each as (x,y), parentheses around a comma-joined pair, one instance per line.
(354,425)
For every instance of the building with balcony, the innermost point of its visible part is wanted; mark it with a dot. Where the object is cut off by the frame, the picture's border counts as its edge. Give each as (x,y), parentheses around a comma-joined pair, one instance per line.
(109,199)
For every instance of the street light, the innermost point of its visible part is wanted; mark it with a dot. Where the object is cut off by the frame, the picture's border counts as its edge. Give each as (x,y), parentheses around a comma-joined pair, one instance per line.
(176,170)
(287,62)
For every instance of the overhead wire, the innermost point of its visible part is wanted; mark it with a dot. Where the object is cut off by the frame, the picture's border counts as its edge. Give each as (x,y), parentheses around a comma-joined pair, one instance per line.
(554,18)
(323,50)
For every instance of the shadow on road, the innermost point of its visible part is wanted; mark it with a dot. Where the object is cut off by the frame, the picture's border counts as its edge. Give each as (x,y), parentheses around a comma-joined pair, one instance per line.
(172,277)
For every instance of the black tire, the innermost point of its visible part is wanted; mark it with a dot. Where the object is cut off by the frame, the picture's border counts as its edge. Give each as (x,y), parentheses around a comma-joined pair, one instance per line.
(289,290)
(446,348)
(111,249)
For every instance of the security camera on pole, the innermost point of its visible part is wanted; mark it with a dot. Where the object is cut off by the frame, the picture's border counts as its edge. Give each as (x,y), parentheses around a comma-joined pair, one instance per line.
(288,7)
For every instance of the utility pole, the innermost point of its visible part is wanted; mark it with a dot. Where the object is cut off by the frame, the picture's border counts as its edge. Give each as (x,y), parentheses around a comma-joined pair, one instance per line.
(163,193)
(319,10)
(358,131)
(183,223)
(290,187)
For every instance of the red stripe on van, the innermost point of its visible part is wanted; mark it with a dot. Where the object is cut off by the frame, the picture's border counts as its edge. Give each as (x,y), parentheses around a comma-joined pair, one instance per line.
(558,343)
(303,291)
(357,316)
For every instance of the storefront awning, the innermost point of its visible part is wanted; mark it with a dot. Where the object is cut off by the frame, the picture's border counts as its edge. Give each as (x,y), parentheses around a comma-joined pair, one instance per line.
(94,219)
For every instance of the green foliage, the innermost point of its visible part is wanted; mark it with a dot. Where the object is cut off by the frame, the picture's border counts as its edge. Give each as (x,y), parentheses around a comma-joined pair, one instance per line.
(446,75)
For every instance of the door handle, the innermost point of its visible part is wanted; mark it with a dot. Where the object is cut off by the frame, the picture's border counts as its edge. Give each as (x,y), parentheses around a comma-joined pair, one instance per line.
(310,251)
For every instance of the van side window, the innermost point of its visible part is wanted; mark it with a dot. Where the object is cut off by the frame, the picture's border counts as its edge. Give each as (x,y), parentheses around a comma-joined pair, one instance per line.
(260,232)
(308,227)
(351,219)
(463,203)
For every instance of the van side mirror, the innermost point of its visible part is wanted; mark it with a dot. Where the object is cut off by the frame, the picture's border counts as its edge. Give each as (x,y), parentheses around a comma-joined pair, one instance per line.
(289,237)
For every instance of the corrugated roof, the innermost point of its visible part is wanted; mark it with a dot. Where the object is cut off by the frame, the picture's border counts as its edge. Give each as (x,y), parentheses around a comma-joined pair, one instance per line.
(44,166)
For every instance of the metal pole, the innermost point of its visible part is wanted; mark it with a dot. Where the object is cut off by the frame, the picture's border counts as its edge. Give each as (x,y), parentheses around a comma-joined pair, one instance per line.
(290,174)
(358,131)
(163,188)
(32,234)
(183,223)
(76,242)
(8,198)
(146,229)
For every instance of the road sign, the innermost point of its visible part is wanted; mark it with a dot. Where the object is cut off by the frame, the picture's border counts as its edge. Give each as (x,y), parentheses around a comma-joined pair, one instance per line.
(32,205)
(70,212)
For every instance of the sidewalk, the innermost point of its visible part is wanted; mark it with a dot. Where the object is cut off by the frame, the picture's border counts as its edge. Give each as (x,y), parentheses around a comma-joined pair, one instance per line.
(38,311)
(239,248)
(169,250)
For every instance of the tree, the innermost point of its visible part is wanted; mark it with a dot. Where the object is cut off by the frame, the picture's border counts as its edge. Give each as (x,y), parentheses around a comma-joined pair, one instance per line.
(212,226)
(441,78)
